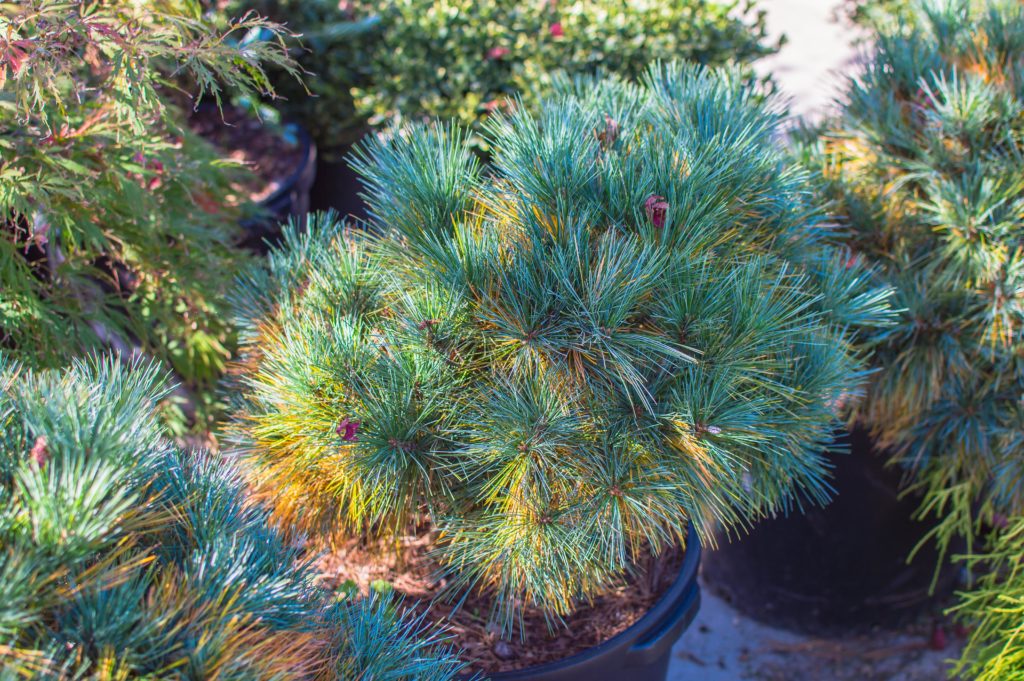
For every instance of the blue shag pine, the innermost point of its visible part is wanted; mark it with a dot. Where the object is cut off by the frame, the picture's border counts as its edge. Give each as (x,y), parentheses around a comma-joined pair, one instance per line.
(636,318)
(122,557)
(925,163)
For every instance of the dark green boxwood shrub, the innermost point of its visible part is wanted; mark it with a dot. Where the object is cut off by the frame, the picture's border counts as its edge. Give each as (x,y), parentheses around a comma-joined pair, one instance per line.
(396,61)
(878,12)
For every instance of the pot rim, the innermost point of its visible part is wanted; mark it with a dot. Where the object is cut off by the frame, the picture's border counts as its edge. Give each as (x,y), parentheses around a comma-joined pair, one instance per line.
(308,157)
(309,154)
(651,619)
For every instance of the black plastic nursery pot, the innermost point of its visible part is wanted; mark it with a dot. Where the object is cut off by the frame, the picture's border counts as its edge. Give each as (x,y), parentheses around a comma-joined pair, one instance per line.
(840,568)
(337,186)
(291,199)
(641,652)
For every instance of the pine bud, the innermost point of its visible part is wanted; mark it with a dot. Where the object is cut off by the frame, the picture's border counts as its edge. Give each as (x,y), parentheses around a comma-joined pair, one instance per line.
(610,133)
(40,453)
(656,207)
(348,429)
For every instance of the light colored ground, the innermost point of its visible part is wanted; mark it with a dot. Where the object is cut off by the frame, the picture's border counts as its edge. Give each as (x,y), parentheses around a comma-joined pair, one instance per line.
(819,50)
(723,645)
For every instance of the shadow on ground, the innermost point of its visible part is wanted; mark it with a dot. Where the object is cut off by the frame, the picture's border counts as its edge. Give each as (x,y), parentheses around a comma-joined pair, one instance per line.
(723,645)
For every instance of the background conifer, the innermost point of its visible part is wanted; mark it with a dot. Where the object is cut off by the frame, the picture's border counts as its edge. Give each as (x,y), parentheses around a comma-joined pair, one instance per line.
(925,164)
(122,557)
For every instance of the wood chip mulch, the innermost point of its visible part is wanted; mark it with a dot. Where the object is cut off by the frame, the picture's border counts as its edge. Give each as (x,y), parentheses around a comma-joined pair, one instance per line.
(247,140)
(411,571)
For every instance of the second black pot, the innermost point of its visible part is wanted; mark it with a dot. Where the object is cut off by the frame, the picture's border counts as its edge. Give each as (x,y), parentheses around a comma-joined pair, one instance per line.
(838,568)
(641,652)
(338,186)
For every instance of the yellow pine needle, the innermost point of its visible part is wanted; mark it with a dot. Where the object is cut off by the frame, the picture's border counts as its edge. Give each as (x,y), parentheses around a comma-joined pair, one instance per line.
(114,568)
(696,452)
(110,668)
(25,662)
(551,224)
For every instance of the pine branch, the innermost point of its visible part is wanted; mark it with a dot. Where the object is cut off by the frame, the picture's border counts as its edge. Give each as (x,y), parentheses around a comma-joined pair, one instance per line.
(622,325)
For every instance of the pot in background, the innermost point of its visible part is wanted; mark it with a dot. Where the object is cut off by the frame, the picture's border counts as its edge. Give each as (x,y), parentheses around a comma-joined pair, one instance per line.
(337,186)
(290,200)
(842,567)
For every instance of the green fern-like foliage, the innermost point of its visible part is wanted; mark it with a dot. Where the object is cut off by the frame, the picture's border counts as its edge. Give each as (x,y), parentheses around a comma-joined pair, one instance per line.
(926,164)
(632,320)
(116,222)
(994,606)
(122,557)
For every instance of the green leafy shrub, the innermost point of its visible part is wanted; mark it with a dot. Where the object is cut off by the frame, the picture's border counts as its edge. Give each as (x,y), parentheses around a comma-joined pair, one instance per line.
(377,63)
(634,321)
(926,164)
(116,223)
(124,557)
(878,12)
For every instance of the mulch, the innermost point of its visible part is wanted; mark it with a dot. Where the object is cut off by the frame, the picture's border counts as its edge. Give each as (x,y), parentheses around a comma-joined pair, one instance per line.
(409,568)
(247,140)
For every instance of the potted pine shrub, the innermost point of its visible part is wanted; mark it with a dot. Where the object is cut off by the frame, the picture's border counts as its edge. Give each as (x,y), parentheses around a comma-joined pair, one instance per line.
(526,388)
(925,166)
(125,557)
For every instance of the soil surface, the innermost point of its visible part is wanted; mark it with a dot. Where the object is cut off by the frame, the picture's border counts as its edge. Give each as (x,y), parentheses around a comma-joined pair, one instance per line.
(260,147)
(414,574)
